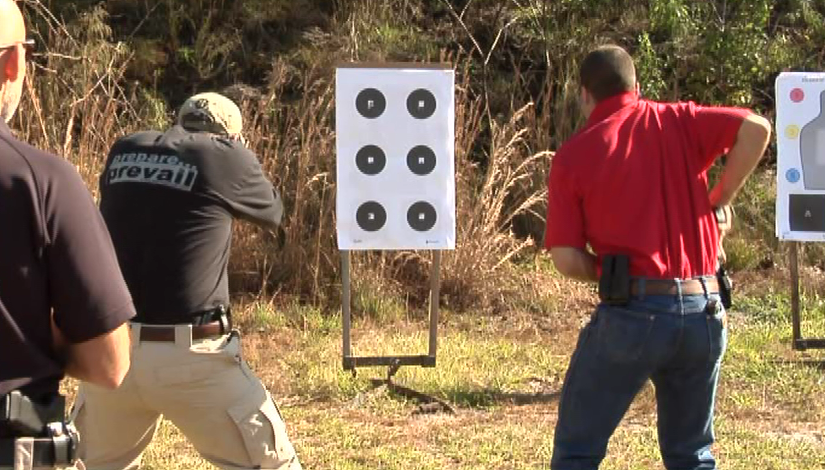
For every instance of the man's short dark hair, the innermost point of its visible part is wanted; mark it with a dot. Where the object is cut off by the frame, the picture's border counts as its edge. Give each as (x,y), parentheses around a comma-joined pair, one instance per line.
(607,71)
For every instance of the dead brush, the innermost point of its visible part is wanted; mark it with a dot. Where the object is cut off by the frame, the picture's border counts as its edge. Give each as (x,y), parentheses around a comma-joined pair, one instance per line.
(78,104)
(296,146)
(479,268)
(74,103)
(490,194)
(295,142)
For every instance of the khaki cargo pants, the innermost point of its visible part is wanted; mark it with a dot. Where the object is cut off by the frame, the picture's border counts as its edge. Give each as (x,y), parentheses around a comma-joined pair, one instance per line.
(204,388)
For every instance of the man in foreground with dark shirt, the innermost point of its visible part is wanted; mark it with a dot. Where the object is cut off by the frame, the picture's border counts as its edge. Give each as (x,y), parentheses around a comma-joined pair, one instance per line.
(632,185)
(169,200)
(63,302)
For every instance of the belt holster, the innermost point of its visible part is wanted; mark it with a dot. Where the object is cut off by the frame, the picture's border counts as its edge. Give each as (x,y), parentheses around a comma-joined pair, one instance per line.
(725,287)
(224,318)
(614,283)
(220,314)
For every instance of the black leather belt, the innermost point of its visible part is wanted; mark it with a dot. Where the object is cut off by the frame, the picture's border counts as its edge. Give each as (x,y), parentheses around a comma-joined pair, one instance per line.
(209,324)
(167,333)
(670,287)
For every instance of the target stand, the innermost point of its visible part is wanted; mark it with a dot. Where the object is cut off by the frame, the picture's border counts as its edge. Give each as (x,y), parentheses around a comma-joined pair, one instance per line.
(351,362)
(395,169)
(800,343)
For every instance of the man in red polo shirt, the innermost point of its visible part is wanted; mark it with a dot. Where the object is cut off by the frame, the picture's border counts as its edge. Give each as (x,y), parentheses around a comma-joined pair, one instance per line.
(632,185)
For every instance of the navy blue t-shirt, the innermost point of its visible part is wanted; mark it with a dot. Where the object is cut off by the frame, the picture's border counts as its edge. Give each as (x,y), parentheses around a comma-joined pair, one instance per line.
(56,258)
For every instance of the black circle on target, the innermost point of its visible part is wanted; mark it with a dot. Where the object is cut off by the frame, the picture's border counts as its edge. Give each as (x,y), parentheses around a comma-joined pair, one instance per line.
(370,159)
(421,104)
(370,103)
(421,216)
(371,216)
(421,160)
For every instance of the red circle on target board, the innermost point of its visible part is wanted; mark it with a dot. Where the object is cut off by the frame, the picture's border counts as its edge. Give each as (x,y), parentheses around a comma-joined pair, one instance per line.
(797,95)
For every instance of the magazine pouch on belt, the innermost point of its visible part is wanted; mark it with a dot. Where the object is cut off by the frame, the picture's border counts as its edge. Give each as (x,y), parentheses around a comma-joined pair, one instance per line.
(20,416)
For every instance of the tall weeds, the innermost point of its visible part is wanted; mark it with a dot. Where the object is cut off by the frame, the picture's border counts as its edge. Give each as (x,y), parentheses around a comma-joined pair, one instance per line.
(97,78)
(296,144)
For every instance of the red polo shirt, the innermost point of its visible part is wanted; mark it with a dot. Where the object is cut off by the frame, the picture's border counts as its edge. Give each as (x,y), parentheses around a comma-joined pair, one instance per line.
(634,181)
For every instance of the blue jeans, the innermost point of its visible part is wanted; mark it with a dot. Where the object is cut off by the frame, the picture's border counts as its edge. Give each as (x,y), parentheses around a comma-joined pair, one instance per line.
(677,342)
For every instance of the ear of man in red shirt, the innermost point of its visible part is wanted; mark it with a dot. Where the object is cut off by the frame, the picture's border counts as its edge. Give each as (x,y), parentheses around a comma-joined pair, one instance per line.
(634,181)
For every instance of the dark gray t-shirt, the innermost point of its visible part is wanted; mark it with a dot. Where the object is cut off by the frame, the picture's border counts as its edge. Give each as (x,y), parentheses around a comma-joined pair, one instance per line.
(55,256)
(169,200)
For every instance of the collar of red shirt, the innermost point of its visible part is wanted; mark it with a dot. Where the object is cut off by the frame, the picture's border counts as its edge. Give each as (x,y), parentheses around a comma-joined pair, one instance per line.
(610,105)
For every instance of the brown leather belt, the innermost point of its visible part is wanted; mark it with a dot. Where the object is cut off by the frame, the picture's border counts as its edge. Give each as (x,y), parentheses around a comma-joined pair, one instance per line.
(167,333)
(669,287)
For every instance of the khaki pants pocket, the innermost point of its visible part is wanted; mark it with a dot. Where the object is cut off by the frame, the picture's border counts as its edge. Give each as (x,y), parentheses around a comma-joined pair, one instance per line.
(264,434)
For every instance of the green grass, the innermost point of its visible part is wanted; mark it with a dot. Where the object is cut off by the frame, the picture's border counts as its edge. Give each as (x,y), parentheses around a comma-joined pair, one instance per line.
(502,377)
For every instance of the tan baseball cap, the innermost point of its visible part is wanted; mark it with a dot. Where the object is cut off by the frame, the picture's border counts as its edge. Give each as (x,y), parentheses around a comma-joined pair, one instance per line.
(211,112)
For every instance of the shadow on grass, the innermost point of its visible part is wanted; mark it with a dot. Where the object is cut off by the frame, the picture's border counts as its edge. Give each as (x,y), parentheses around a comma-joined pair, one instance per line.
(488,397)
(812,363)
(464,398)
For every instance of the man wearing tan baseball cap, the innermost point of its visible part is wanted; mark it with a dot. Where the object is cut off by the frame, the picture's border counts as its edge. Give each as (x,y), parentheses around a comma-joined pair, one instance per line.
(169,200)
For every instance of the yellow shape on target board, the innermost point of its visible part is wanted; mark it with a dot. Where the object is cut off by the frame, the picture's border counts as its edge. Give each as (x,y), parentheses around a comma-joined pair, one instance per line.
(792,131)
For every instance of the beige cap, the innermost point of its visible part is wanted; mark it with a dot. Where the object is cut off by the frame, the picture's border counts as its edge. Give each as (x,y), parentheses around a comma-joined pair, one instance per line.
(211,112)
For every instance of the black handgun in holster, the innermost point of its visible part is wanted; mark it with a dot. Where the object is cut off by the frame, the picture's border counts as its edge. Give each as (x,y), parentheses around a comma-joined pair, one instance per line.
(725,286)
(22,417)
(614,283)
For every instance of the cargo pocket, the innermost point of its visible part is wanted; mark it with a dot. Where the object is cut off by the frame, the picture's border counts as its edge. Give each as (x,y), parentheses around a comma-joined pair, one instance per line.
(622,334)
(264,434)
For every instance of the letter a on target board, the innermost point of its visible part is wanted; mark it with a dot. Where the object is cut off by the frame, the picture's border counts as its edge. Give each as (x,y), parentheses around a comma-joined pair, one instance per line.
(395,146)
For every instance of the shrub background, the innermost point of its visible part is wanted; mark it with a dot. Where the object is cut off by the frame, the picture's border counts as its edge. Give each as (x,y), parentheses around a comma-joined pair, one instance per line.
(106,68)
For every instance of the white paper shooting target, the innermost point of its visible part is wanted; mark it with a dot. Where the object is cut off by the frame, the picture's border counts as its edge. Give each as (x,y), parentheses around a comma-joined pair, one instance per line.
(800,136)
(395,157)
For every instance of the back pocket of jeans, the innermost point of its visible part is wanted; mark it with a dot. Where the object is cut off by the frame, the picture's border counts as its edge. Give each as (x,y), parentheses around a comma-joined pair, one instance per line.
(623,334)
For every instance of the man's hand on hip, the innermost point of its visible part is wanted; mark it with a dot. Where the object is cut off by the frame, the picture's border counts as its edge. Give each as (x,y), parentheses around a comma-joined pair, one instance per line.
(724,222)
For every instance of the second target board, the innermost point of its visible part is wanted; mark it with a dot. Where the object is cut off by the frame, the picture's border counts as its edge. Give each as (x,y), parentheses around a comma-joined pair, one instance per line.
(371,216)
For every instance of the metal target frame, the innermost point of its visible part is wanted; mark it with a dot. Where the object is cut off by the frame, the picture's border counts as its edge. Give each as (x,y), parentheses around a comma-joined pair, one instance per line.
(800,343)
(351,362)
(420,161)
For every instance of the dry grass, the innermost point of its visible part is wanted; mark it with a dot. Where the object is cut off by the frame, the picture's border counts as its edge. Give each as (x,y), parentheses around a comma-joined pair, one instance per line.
(503,375)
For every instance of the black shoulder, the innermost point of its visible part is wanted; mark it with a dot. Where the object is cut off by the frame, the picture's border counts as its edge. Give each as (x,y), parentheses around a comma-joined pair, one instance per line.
(41,163)
(139,139)
(218,147)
